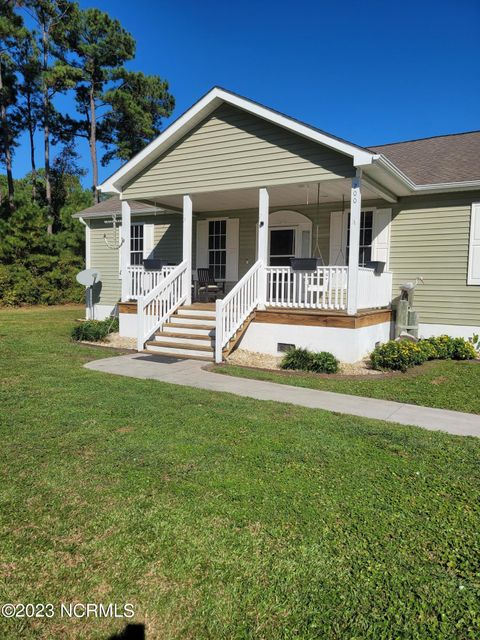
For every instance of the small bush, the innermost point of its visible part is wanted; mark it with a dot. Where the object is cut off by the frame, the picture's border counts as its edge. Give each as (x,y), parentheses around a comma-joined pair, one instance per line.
(399,355)
(304,360)
(428,350)
(463,350)
(94,330)
(443,345)
(323,362)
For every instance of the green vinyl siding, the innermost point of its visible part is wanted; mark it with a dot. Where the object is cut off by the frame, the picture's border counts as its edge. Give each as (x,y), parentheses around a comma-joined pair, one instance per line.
(106,260)
(430,239)
(167,237)
(235,149)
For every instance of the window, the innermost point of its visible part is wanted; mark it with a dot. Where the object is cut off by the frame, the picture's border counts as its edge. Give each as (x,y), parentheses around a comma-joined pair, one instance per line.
(136,244)
(366,235)
(474,249)
(282,247)
(217,248)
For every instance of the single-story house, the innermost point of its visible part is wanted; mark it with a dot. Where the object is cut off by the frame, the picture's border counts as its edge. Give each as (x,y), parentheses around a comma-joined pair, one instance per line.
(206,240)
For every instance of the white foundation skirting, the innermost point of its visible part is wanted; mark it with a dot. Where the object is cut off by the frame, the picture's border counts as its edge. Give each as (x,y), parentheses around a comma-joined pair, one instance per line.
(348,345)
(102,311)
(128,325)
(453,330)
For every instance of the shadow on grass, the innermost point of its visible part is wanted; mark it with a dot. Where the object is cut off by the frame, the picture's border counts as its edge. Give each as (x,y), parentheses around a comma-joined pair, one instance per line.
(131,632)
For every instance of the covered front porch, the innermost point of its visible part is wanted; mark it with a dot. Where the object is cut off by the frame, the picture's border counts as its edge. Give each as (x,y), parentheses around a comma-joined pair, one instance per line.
(305,247)
(301,232)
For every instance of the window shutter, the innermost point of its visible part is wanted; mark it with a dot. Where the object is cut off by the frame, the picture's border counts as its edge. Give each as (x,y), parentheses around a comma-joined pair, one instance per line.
(303,241)
(148,241)
(338,238)
(381,235)
(231,271)
(202,243)
(474,249)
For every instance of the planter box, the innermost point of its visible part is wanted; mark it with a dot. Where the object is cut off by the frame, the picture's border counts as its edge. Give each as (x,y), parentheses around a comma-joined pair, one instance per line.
(304,264)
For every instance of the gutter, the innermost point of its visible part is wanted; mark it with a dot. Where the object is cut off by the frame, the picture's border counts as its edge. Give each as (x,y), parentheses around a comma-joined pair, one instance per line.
(105,214)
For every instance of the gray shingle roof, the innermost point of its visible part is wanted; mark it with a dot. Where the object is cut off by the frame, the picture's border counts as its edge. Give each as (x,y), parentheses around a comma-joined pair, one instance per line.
(450,158)
(114,205)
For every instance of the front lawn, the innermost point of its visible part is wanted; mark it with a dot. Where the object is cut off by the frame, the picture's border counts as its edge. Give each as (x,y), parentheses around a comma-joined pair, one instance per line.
(446,384)
(219,516)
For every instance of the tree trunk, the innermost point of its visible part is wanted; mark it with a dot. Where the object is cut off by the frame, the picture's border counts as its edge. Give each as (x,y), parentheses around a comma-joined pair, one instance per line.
(31,135)
(93,144)
(46,133)
(6,144)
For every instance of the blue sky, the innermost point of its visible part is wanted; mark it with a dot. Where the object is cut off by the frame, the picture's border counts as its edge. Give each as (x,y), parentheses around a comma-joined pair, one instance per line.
(370,72)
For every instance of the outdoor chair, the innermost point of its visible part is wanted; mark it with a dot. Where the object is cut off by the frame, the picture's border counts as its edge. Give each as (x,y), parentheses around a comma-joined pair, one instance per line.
(207,286)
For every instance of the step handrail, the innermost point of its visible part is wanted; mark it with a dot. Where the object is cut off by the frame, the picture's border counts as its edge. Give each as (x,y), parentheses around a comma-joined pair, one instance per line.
(236,306)
(154,309)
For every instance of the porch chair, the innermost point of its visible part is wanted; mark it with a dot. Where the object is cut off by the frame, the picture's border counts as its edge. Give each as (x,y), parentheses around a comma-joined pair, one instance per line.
(207,285)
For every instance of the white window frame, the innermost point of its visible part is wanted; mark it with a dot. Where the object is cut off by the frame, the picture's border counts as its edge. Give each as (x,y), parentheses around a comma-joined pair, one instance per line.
(142,251)
(473,246)
(380,236)
(371,210)
(209,220)
(295,240)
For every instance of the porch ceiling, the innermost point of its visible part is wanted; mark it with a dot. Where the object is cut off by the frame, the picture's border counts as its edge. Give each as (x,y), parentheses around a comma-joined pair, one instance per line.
(292,195)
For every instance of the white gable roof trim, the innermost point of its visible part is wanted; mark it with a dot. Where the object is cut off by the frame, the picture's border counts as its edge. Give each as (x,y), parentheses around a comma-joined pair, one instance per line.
(205,106)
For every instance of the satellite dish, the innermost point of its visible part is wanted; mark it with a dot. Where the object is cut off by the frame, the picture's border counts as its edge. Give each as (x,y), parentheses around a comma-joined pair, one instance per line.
(89,277)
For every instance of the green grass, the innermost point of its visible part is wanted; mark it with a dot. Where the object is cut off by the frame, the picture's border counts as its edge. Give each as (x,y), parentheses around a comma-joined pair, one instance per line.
(446,384)
(221,517)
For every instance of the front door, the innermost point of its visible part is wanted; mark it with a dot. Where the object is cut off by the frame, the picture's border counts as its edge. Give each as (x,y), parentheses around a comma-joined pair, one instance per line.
(282,246)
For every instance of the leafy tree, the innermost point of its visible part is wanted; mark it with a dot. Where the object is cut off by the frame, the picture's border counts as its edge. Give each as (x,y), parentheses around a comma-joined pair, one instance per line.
(138,106)
(11,30)
(101,46)
(36,267)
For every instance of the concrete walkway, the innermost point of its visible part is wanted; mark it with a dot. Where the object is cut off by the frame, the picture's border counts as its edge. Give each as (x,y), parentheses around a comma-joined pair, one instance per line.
(191,373)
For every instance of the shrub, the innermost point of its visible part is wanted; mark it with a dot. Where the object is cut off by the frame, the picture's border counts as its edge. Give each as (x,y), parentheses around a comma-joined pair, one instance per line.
(463,350)
(94,330)
(399,355)
(428,350)
(324,362)
(443,345)
(304,360)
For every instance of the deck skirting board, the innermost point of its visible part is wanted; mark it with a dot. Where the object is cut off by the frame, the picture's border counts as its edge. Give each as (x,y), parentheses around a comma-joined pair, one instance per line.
(313,318)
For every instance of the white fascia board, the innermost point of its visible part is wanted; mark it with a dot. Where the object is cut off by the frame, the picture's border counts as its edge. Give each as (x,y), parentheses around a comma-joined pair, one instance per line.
(439,187)
(108,214)
(468,185)
(200,110)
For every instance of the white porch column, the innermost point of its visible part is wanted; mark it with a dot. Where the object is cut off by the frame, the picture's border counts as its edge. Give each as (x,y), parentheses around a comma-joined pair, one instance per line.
(125,250)
(354,249)
(187,244)
(262,249)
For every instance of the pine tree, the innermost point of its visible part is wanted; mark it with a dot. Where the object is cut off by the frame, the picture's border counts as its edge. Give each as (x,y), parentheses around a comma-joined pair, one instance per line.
(101,46)
(30,108)
(138,106)
(11,30)
(53,18)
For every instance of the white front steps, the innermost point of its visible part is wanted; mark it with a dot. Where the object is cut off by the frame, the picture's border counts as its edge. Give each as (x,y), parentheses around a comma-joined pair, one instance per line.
(190,333)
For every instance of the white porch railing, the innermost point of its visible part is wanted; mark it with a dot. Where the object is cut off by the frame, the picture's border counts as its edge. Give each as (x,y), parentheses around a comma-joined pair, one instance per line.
(374,290)
(322,288)
(158,305)
(141,281)
(234,309)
